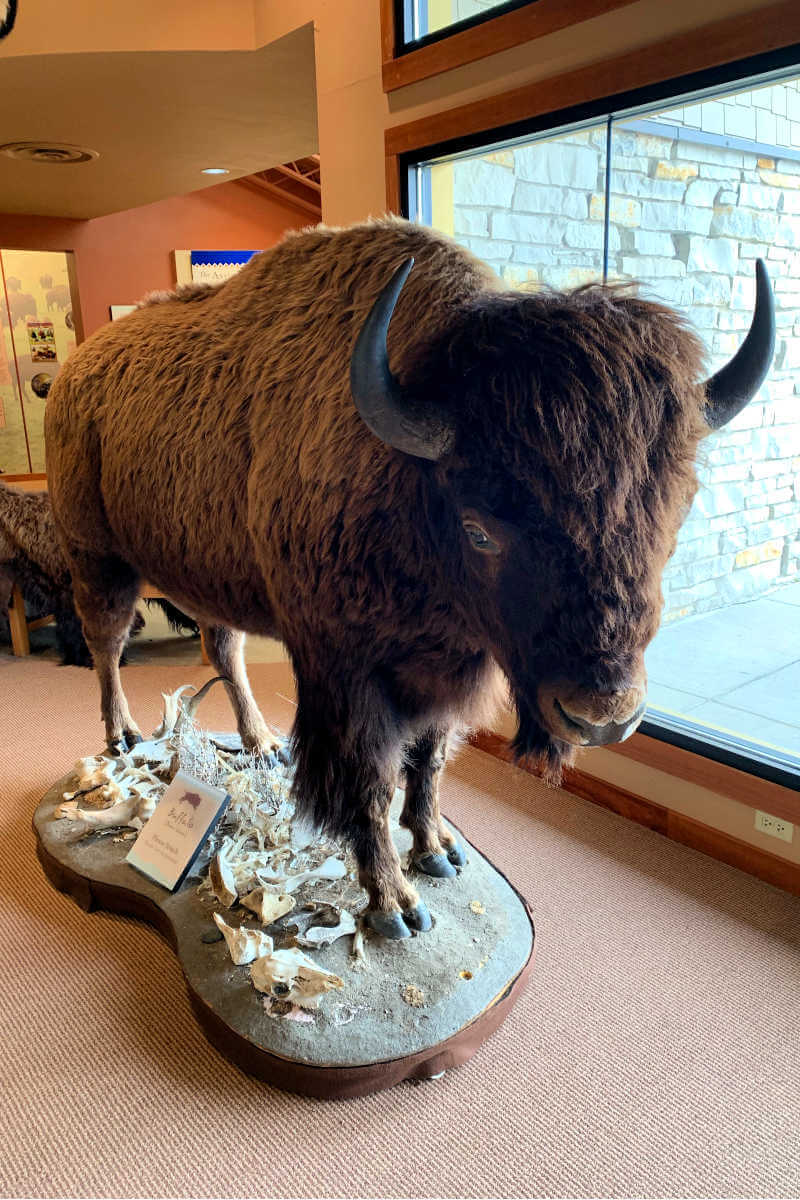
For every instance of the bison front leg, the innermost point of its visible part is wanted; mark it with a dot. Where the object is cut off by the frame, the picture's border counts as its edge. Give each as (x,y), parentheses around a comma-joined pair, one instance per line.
(346,768)
(435,850)
(394,906)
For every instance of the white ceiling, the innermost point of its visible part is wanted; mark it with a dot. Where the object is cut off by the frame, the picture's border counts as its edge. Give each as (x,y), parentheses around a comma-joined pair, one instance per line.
(156,118)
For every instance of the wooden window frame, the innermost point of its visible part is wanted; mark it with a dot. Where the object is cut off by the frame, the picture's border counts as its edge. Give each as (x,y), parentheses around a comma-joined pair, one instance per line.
(403,64)
(735,43)
(720,44)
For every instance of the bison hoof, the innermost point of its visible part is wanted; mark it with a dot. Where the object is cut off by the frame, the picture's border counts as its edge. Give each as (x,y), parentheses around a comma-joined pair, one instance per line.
(434,864)
(418,918)
(124,743)
(456,855)
(388,924)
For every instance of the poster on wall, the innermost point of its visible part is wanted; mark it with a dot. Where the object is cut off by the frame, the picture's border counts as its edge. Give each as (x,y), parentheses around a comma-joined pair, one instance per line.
(42,340)
(209,266)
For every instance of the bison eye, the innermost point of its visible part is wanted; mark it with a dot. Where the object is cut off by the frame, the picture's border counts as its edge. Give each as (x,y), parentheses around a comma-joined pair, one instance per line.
(480,538)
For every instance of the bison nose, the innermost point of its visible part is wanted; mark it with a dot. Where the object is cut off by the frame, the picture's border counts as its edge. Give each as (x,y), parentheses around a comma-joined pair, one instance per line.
(598,733)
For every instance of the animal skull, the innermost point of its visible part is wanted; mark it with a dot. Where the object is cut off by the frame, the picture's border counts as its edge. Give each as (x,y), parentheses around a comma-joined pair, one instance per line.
(244,944)
(291,975)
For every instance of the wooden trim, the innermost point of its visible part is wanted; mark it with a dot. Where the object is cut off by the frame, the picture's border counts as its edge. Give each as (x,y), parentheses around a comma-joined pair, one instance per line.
(27,477)
(387,30)
(75,296)
(717,777)
(713,842)
(17,624)
(736,853)
(489,37)
(393,184)
(714,45)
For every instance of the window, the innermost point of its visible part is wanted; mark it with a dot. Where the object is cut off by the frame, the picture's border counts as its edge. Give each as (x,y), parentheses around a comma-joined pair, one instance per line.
(682,198)
(424,20)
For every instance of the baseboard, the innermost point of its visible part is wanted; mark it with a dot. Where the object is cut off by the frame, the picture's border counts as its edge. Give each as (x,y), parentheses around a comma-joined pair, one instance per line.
(713,842)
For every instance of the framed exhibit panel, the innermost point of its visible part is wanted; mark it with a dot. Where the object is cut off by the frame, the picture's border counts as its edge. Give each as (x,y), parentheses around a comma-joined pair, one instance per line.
(37,332)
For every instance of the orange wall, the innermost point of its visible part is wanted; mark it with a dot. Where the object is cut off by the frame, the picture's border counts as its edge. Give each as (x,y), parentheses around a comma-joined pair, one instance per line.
(122,256)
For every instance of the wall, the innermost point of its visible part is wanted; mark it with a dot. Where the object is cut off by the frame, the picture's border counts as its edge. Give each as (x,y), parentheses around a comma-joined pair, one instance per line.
(121,257)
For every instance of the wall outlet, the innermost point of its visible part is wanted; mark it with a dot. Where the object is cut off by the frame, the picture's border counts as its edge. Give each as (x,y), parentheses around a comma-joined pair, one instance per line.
(774,826)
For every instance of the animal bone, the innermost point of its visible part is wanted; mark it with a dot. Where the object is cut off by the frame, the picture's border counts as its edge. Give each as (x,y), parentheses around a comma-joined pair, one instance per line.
(318,936)
(121,812)
(331,868)
(291,975)
(178,711)
(268,905)
(244,945)
(223,885)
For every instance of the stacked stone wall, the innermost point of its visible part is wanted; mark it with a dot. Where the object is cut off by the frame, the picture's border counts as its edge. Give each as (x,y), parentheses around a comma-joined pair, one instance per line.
(687,219)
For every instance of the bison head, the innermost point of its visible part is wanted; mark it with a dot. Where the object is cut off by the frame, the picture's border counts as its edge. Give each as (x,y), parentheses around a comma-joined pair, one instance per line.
(564,429)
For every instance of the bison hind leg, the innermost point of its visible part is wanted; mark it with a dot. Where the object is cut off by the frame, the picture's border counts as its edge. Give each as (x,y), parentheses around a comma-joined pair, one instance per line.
(106,589)
(225,648)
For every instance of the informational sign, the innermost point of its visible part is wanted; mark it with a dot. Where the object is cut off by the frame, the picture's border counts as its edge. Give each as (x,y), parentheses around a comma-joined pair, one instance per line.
(173,837)
(42,340)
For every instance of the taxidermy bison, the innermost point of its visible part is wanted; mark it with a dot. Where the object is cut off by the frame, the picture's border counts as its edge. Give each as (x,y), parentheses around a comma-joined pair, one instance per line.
(32,559)
(493,495)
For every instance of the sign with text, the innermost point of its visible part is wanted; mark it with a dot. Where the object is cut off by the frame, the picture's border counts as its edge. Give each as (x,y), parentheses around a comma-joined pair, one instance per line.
(172,838)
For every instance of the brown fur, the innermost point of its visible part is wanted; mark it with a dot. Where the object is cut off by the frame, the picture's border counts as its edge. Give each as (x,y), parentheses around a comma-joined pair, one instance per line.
(31,559)
(213,447)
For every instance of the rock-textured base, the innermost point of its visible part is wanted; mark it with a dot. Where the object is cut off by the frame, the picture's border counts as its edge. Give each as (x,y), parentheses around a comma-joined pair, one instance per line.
(412,1009)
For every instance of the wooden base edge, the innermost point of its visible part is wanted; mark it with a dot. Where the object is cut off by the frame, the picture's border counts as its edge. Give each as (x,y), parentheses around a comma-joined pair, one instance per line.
(723,846)
(319,1082)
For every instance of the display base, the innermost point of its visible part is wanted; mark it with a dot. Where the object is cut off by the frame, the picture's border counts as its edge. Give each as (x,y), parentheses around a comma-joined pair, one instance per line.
(470,968)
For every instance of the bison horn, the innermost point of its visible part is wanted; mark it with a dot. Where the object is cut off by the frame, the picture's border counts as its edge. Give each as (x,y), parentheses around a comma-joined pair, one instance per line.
(738,381)
(378,396)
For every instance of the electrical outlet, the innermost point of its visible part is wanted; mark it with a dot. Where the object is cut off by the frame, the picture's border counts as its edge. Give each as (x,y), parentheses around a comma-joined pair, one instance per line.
(774,826)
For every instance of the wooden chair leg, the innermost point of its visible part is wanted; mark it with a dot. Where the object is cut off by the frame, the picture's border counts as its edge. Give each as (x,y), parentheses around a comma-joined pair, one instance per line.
(20,642)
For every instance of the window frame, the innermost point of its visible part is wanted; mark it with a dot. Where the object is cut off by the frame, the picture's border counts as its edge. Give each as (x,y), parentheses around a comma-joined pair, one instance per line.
(683,750)
(512,24)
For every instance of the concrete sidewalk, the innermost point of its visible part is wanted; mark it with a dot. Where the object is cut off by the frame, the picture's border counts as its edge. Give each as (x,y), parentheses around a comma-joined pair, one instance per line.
(737,669)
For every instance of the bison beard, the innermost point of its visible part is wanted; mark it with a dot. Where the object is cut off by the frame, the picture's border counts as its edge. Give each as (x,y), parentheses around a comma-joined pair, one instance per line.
(506,492)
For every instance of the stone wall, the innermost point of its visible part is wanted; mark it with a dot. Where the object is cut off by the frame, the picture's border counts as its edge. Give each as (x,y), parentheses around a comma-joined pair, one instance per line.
(687,219)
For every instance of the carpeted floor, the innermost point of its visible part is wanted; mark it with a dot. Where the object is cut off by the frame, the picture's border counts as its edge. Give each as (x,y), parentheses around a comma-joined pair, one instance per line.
(655,1053)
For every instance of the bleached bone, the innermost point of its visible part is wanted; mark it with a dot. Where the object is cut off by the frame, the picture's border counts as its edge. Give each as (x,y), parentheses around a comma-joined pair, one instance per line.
(331,868)
(222,882)
(122,812)
(291,975)
(111,792)
(176,710)
(324,935)
(244,945)
(268,905)
(169,717)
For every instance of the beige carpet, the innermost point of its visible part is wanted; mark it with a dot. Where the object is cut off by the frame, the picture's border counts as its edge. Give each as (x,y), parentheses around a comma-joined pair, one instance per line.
(655,1053)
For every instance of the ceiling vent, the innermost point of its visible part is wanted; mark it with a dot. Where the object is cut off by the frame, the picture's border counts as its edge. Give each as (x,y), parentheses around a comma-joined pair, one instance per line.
(48,152)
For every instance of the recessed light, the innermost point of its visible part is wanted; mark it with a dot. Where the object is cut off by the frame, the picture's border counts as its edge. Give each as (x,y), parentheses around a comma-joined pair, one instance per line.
(215,171)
